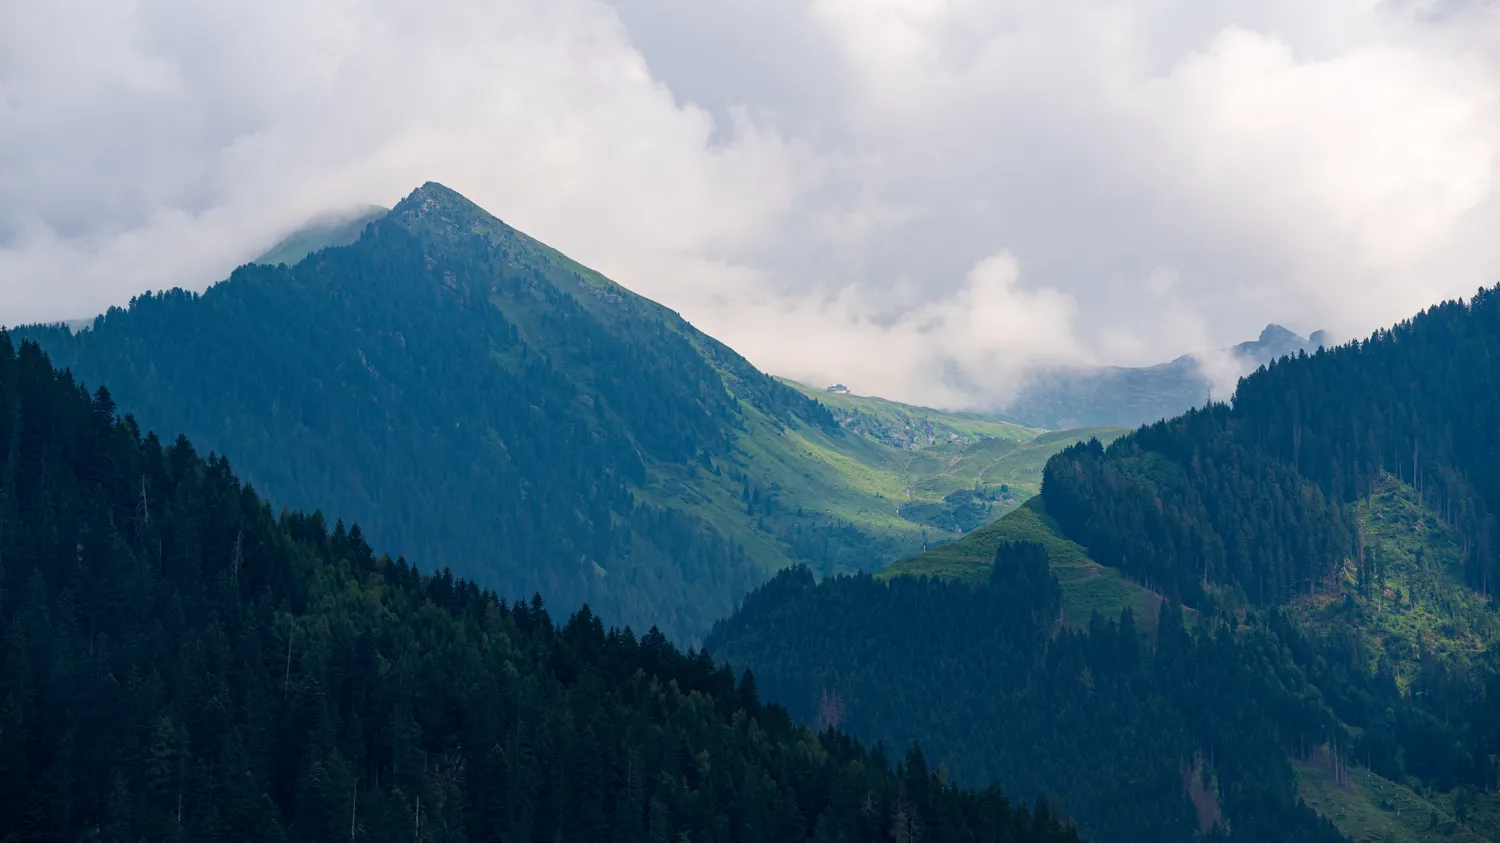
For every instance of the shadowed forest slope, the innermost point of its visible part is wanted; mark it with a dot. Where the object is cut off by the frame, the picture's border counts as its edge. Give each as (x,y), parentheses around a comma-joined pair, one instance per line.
(180,663)
(1332,533)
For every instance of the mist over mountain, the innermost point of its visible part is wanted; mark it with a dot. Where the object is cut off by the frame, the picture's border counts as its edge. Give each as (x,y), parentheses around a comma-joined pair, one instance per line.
(1131,396)
(1271,621)
(815,421)
(1243,623)
(331,229)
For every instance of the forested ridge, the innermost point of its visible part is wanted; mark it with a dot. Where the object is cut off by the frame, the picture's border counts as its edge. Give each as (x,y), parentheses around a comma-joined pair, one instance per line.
(477,399)
(1333,528)
(493,409)
(1159,734)
(180,663)
(1259,502)
(1256,494)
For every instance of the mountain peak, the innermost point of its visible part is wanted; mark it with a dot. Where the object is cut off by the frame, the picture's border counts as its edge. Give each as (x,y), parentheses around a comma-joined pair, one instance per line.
(1274,333)
(1274,341)
(433,197)
(436,210)
(434,193)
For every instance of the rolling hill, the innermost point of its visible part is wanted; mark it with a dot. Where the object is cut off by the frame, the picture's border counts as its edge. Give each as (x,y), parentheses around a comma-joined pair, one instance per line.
(1086,586)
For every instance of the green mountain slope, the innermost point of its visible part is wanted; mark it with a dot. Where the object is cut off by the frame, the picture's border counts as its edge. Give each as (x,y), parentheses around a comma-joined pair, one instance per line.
(476,398)
(950,473)
(1173,736)
(484,402)
(1414,607)
(1355,490)
(321,233)
(180,663)
(1285,500)
(1414,620)
(1408,603)
(928,651)
(1333,527)
(1368,807)
(1087,587)
(908,426)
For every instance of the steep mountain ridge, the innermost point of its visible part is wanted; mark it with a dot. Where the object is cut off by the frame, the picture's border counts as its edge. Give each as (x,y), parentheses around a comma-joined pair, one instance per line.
(438,380)
(484,402)
(550,284)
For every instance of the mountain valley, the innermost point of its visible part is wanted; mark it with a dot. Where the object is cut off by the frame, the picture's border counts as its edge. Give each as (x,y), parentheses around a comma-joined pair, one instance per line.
(480,401)
(635,421)
(182,663)
(1297,619)
(1245,622)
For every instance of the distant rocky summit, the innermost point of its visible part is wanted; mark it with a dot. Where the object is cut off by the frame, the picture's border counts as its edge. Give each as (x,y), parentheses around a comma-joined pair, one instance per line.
(1131,396)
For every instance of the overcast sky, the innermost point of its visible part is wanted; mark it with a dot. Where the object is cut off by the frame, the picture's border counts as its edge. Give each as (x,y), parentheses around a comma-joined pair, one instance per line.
(918,198)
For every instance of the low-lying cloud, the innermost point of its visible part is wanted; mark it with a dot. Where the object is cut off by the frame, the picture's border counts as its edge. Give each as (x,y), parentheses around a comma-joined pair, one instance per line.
(920,198)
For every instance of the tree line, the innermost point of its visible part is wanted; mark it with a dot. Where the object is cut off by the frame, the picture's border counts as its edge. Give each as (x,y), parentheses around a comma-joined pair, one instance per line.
(1254,503)
(181,663)
(1146,729)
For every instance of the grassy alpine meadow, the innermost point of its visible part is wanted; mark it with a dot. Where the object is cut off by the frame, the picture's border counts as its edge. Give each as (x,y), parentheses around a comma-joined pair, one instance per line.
(1087,586)
(856,501)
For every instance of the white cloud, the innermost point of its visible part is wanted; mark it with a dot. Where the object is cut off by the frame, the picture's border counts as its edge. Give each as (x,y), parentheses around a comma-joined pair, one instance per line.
(978,340)
(1328,166)
(919,198)
(223,133)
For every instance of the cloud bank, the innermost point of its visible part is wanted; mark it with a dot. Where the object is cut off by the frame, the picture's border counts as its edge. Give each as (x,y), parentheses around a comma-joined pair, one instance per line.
(919,198)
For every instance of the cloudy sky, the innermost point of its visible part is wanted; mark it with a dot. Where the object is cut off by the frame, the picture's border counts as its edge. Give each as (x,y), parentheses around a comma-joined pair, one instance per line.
(920,198)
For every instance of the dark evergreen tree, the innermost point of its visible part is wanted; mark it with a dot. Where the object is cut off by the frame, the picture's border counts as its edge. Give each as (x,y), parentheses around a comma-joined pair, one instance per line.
(182,664)
(1110,719)
(1256,502)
